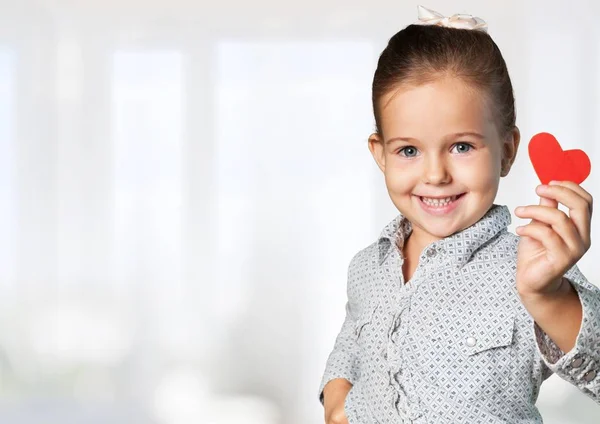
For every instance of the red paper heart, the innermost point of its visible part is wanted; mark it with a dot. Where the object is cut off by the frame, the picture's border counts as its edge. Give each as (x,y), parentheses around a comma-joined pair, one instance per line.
(552,163)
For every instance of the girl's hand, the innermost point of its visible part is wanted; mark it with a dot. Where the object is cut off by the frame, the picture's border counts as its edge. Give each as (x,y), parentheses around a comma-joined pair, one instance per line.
(334,396)
(336,415)
(552,242)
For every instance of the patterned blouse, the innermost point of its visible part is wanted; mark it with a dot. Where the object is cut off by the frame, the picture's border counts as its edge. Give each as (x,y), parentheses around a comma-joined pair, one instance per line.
(454,344)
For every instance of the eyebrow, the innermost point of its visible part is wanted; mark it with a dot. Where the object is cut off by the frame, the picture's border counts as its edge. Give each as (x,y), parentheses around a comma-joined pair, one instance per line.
(460,134)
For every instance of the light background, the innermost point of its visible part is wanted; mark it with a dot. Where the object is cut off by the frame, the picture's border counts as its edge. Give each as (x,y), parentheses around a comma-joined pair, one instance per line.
(183,184)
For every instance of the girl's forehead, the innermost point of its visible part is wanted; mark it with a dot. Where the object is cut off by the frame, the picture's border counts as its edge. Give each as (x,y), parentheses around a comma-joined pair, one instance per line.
(449,90)
(441,103)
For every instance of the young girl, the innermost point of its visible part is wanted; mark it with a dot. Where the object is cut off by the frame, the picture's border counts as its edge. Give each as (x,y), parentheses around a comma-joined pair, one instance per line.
(450,318)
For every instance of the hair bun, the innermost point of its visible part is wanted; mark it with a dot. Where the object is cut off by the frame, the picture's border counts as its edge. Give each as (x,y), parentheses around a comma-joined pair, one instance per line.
(459,21)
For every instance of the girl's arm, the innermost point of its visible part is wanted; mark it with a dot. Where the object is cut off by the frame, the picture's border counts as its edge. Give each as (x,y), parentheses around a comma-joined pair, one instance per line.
(564,305)
(567,331)
(342,362)
(558,314)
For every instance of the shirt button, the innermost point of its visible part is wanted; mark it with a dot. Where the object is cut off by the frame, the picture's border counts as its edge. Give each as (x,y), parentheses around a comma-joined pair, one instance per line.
(471,341)
(577,362)
(589,376)
(431,252)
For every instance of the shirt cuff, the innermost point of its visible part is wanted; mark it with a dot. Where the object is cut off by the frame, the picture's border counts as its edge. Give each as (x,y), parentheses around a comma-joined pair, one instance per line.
(327,378)
(581,365)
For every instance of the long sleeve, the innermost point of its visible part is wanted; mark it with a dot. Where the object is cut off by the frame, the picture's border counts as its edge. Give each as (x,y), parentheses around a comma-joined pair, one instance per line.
(342,361)
(581,365)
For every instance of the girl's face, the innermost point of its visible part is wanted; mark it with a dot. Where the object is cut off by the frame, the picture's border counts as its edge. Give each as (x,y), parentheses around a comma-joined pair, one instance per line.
(441,155)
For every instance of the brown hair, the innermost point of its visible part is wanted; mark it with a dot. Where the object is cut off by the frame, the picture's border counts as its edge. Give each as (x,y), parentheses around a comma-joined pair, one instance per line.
(420,53)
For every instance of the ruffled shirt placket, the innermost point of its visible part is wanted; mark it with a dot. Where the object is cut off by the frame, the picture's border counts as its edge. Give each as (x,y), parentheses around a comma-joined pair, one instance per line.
(406,403)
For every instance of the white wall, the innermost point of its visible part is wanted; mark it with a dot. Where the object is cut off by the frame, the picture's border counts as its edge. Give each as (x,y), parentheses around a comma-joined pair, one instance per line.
(183,184)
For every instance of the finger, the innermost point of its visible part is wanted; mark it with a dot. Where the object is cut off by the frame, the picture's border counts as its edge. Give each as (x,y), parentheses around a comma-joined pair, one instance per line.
(579,208)
(572,199)
(546,202)
(559,222)
(557,250)
(577,189)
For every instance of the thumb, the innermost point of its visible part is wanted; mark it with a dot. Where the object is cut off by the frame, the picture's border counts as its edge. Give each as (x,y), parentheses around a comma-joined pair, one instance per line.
(544,201)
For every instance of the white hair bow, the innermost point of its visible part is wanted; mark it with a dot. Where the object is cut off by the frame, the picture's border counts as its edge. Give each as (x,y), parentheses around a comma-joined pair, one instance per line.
(461,21)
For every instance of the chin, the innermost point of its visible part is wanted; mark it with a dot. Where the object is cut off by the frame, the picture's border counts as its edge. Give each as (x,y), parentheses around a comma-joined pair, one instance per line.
(441,233)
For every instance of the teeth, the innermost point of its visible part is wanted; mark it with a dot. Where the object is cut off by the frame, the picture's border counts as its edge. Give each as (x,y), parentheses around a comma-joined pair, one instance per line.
(438,202)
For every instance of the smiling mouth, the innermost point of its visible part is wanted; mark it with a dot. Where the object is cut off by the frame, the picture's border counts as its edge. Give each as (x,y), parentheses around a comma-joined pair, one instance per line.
(440,201)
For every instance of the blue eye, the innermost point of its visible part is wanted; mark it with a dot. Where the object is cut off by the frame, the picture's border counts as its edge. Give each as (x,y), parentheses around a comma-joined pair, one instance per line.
(411,151)
(406,149)
(467,145)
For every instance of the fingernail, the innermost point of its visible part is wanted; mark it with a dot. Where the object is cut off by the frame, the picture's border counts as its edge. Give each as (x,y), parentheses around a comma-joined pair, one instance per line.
(519,209)
(553,182)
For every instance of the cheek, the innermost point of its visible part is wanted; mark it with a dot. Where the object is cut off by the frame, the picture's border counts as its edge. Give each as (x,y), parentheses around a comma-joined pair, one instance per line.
(399,180)
(480,176)
(480,169)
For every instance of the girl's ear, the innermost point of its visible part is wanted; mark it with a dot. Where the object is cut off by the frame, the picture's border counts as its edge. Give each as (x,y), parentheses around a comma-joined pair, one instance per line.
(509,151)
(376,146)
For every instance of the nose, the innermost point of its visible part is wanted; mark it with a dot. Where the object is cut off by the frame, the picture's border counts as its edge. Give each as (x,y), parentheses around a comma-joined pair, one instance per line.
(436,170)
